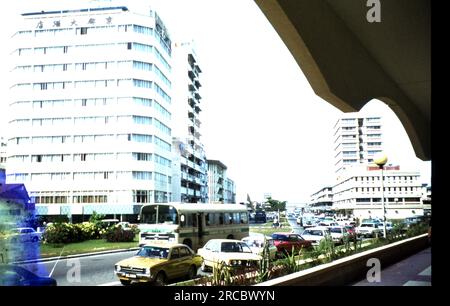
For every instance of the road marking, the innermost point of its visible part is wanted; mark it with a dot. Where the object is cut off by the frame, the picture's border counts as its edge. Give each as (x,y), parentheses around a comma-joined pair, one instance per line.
(110,284)
(50,275)
(417,283)
(426,272)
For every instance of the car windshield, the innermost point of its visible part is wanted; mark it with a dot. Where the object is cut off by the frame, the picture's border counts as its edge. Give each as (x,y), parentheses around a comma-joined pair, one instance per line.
(368,225)
(336,230)
(153,251)
(157,214)
(235,247)
(279,237)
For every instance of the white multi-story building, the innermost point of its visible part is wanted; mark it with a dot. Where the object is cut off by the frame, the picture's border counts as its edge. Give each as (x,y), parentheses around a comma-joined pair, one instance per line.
(230,191)
(322,198)
(357,138)
(90,124)
(220,188)
(189,169)
(359,192)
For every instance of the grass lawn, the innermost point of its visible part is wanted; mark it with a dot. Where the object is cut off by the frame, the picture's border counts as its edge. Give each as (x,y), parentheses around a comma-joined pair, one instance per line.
(267,229)
(52,250)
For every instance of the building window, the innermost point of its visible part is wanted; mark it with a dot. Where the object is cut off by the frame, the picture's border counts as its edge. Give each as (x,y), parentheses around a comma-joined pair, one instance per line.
(84,31)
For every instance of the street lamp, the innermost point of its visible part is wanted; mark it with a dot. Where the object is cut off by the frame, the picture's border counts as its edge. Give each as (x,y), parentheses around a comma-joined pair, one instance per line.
(381,160)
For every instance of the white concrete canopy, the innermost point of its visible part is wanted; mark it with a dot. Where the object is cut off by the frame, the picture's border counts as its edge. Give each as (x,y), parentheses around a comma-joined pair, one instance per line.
(349,61)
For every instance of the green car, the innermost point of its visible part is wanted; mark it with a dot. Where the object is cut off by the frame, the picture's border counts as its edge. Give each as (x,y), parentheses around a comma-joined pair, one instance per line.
(159,262)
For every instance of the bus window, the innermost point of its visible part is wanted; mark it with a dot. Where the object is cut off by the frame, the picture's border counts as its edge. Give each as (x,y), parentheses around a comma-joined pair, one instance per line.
(228,218)
(244,218)
(236,218)
(220,218)
(194,220)
(207,219)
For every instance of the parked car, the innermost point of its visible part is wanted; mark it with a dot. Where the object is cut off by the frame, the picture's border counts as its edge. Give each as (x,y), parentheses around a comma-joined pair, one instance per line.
(351,232)
(389,226)
(408,222)
(24,234)
(338,233)
(288,242)
(159,262)
(260,217)
(328,223)
(12,275)
(231,253)
(315,234)
(369,229)
(256,244)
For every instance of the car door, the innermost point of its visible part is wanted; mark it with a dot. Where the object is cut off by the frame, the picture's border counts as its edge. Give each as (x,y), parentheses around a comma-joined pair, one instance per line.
(294,243)
(208,252)
(173,266)
(185,260)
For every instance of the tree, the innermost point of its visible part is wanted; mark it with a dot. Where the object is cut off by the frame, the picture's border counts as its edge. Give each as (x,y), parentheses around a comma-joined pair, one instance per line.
(276,205)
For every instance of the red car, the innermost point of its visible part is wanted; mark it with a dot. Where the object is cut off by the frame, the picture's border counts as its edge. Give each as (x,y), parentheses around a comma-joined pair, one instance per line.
(286,242)
(351,232)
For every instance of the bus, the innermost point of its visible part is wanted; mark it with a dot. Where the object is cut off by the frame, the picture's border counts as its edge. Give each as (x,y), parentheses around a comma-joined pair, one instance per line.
(192,224)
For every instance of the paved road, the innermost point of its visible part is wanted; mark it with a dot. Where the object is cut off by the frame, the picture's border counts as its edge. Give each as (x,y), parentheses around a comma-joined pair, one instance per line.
(296,228)
(412,271)
(95,270)
(83,271)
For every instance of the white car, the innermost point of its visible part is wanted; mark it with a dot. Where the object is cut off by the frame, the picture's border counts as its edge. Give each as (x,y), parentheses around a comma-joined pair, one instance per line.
(369,229)
(232,253)
(256,244)
(315,234)
(389,226)
(25,234)
(338,233)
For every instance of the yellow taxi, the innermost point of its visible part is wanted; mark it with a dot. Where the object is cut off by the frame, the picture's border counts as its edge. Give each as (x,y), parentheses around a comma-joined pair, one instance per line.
(159,262)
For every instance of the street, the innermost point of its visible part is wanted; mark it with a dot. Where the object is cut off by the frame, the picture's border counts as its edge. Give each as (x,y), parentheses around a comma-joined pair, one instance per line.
(93,270)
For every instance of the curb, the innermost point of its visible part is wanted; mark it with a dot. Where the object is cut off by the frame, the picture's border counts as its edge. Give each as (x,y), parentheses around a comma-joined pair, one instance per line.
(39,260)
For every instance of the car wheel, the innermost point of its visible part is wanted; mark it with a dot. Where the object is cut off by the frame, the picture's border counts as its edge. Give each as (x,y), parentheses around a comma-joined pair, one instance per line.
(160,279)
(192,272)
(34,239)
(125,282)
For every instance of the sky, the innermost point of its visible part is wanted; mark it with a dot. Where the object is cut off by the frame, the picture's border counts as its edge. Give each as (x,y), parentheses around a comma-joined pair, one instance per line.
(260,117)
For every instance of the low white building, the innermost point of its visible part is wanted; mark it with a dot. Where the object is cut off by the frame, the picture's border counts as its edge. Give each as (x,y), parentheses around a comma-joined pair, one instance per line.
(358,192)
(322,198)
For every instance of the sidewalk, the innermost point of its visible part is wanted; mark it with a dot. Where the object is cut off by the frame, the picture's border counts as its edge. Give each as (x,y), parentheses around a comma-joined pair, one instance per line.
(412,271)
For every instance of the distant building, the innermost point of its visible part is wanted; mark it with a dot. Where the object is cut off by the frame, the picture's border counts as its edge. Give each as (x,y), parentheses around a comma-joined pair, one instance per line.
(220,188)
(189,168)
(357,138)
(230,191)
(358,191)
(322,199)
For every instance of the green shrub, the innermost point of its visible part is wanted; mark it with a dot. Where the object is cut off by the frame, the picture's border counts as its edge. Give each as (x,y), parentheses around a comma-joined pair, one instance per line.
(59,233)
(62,233)
(118,234)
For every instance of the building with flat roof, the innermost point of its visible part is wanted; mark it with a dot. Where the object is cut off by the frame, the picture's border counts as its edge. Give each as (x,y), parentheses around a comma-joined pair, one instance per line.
(358,192)
(221,189)
(91,124)
(357,138)
(189,168)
